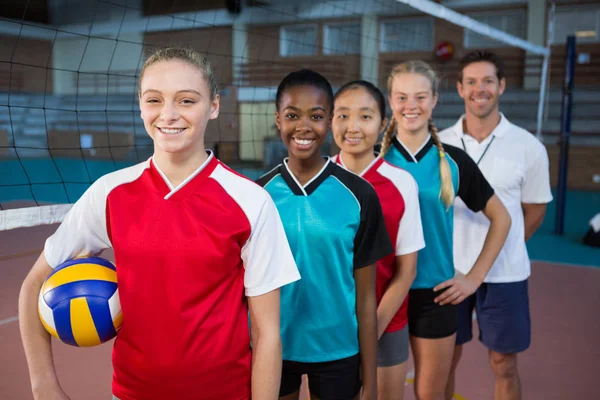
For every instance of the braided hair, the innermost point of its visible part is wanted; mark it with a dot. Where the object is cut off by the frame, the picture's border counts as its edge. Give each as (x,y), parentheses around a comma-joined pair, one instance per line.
(420,67)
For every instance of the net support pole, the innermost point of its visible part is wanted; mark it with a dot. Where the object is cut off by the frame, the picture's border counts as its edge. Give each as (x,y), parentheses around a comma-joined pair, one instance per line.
(542,99)
(565,134)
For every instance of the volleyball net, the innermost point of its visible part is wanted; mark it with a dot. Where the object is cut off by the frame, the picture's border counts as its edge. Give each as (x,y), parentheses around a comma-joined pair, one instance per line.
(69,111)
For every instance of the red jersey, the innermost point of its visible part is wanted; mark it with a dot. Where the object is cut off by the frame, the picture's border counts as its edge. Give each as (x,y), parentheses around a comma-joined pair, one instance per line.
(186,259)
(399,197)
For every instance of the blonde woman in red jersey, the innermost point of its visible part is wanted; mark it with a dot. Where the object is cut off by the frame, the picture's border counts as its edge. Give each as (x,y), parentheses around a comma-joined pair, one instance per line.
(359,117)
(197,248)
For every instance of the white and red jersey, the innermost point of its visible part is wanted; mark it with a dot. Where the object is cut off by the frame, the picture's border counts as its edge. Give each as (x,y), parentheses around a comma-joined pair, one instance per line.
(186,259)
(399,197)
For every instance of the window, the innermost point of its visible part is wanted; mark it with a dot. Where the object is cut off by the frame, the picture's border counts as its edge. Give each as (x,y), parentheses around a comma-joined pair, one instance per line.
(342,38)
(512,22)
(406,34)
(298,40)
(582,20)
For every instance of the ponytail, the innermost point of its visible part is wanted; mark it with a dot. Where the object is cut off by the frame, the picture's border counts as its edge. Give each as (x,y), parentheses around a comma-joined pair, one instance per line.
(387,137)
(447,188)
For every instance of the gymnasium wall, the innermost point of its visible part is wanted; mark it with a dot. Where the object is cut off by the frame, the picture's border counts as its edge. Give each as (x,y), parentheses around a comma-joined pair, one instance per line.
(584,163)
(448,70)
(23,65)
(267,67)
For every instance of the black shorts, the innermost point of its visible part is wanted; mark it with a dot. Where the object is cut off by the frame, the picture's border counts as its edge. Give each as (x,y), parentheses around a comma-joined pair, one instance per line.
(330,380)
(427,319)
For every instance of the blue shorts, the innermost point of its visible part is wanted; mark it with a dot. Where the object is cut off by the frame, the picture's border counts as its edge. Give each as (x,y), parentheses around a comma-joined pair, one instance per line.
(502,311)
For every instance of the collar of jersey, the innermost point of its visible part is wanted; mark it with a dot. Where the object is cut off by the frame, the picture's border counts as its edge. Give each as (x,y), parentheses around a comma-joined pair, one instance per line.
(312,184)
(406,154)
(373,165)
(204,170)
(498,131)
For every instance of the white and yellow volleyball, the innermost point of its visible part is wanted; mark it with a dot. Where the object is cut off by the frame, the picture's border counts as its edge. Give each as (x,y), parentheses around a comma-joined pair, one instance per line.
(79,302)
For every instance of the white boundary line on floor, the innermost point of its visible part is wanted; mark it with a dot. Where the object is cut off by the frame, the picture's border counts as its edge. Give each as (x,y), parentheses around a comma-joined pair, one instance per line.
(8,320)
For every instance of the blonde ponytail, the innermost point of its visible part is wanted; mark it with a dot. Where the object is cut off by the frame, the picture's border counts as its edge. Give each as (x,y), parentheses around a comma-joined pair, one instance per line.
(387,137)
(446,186)
(420,67)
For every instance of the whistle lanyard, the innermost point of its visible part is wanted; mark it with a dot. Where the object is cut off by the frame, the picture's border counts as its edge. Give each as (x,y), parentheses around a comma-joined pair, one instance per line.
(484,151)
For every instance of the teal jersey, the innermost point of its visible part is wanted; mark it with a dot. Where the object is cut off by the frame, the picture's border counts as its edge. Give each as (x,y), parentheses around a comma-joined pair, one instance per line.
(435,262)
(334,225)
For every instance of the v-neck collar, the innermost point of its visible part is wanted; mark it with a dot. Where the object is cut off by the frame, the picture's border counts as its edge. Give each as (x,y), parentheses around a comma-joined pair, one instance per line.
(407,155)
(312,184)
(204,170)
(372,165)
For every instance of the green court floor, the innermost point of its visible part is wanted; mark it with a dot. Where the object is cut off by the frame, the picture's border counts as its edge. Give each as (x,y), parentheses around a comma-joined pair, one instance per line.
(546,246)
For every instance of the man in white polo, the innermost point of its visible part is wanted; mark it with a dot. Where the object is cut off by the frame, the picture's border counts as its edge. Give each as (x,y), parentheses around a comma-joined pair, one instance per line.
(515,163)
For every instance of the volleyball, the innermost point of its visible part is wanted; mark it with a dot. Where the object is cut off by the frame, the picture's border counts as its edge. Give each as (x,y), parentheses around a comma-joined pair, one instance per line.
(79,302)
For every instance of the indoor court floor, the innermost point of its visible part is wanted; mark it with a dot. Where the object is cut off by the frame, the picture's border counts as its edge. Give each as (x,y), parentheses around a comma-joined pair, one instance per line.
(562,363)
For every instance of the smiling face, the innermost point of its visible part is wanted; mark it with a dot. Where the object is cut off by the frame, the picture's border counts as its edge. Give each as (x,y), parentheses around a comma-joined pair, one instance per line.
(357,121)
(481,89)
(412,101)
(303,119)
(176,105)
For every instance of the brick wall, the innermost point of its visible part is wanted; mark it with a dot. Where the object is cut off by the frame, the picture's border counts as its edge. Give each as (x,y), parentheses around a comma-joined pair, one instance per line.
(585,74)
(106,145)
(267,67)
(584,163)
(215,43)
(24,64)
(514,58)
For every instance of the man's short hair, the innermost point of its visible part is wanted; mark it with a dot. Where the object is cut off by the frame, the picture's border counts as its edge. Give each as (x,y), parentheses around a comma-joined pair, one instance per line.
(481,56)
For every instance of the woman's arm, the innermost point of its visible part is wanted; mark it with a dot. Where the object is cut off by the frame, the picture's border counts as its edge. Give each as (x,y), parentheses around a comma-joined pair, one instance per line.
(366,313)
(500,222)
(36,340)
(462,286)
(266,345)
(404,275)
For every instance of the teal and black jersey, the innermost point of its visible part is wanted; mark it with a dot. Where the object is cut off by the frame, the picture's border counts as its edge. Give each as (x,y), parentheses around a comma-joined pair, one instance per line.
(435,262)
(334,225)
